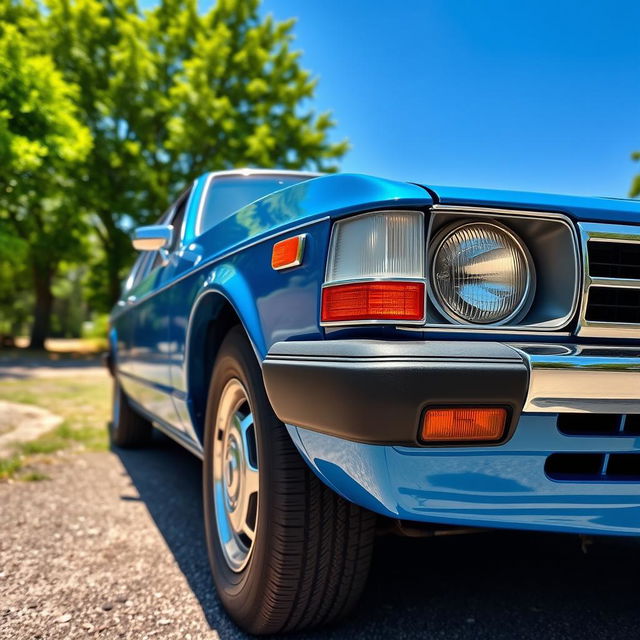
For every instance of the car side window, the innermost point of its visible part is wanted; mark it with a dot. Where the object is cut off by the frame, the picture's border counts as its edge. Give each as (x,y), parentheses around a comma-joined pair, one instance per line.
(137,271)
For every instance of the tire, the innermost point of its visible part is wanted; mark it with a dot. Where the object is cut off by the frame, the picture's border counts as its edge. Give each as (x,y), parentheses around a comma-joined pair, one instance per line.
(311,549)
(127,429)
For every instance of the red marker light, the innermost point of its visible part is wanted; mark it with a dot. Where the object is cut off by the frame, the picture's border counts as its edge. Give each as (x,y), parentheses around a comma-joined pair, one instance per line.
(373,301)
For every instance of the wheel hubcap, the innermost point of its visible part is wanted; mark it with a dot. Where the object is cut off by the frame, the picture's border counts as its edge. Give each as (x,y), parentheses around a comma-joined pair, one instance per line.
(235,476)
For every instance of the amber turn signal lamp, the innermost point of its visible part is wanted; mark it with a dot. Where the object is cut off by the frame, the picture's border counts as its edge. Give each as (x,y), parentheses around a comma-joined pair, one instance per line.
(464,424)
(287,253)
(373,301)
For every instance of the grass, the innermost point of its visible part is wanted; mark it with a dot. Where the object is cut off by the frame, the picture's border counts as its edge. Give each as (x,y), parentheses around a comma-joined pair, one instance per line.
(10,466)
(83,404)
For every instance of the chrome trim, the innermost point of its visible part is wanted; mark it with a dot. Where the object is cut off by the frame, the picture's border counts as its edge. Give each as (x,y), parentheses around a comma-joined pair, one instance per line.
(547,327)
(581,379)
(527,213)
(302,239)
(614,233)
(243,172)
(449,328)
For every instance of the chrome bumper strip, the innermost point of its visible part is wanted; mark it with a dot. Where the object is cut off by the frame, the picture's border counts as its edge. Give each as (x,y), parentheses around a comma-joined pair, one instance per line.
(582,379)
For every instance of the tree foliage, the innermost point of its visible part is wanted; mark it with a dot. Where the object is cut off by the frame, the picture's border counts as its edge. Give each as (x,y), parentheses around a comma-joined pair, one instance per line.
(144,101)
(170,93)
(634,192)
(42,144)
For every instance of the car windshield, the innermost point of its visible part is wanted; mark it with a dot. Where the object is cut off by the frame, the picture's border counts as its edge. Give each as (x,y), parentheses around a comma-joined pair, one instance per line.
(228,194)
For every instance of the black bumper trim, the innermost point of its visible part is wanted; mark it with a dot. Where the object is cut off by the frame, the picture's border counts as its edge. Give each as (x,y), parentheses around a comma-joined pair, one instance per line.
(376,391)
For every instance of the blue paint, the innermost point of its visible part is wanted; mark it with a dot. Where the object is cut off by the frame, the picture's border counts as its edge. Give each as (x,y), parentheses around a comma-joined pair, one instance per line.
(160,348)
(577,207)
(502,486)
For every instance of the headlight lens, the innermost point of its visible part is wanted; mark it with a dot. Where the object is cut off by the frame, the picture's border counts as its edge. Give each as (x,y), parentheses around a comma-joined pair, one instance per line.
(481,274)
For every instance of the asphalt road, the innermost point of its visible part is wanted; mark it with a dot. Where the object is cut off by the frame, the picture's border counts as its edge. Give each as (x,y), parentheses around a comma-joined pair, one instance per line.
(112,546)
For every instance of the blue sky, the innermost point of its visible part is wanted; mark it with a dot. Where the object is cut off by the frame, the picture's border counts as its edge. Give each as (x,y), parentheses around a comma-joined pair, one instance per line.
(541,95)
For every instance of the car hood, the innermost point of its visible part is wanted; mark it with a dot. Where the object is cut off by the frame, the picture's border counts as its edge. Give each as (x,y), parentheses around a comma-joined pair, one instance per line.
(578,207)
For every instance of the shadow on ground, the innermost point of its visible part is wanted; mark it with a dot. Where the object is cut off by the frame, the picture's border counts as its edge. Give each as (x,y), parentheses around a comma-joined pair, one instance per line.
(489,585)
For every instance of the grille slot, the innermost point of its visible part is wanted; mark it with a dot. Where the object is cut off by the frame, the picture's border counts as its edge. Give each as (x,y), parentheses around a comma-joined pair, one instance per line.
(598,424)
(613,305)
(574,466)
(589,424)
(624,466)
(632,425)
(614,260)
(593,467)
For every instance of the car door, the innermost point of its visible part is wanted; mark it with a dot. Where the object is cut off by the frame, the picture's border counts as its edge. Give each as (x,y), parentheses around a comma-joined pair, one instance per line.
(150,355)
(122,332)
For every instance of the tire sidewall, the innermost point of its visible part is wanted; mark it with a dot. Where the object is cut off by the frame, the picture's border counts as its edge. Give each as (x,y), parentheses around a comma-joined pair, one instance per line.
(239,591)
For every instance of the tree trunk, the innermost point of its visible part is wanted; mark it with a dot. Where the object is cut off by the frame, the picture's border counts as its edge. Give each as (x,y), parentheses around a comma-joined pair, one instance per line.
(117,247)
(42,310)
(113,271)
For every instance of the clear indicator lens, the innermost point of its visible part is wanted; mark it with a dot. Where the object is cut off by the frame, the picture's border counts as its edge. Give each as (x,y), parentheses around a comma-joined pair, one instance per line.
(385,244)
(481,274)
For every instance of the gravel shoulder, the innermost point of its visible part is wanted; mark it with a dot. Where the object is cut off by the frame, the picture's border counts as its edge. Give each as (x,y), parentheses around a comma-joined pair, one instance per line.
(80,554)
(21,423)
(112,546)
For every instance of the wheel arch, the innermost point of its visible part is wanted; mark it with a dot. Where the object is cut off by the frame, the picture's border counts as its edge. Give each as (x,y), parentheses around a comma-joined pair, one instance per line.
(214,314)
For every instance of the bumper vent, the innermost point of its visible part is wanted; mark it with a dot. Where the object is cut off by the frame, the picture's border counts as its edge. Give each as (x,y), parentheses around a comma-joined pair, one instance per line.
(598,424)
(593,467)
(611,295)
(596,467)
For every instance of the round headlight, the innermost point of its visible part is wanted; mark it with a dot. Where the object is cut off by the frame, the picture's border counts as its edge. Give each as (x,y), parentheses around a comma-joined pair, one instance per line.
(481,273)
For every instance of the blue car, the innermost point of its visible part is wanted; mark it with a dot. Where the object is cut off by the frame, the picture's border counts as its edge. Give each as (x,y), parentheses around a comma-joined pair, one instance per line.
(349,354)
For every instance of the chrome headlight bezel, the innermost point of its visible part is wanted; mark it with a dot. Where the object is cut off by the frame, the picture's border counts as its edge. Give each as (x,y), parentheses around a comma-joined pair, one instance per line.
(439,300)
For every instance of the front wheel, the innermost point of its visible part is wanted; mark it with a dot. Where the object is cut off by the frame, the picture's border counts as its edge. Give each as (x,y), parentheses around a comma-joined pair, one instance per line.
(286,552)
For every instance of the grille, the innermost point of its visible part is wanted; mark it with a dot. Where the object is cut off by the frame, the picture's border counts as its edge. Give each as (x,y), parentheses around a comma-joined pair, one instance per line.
(613,305)
(611,296)
(614,260)
(593,467)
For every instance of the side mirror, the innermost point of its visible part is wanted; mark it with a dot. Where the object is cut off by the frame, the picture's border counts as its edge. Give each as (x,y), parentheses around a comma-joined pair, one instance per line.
(152,238)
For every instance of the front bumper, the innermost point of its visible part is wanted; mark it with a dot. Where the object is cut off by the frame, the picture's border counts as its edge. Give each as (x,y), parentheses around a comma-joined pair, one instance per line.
(341,400)
(375,392)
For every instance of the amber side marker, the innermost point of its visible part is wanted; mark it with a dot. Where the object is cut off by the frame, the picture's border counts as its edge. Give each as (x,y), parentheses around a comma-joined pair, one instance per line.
(470,424)
(288,253)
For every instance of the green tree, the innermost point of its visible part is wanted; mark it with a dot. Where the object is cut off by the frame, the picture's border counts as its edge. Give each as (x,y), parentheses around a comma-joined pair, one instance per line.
(170,93)
(15,299)
(634,192)
(41,145)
